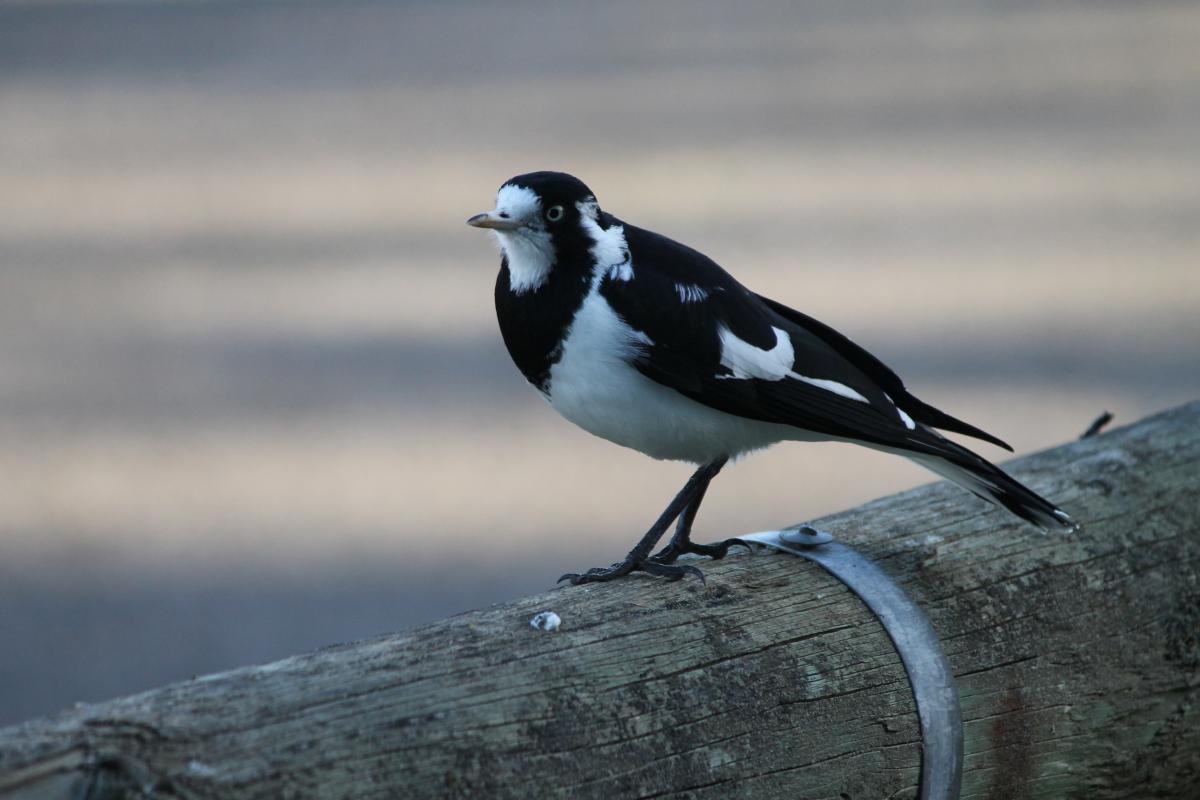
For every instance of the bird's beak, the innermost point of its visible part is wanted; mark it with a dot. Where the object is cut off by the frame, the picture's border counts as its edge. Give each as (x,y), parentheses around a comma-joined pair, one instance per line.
(491,219)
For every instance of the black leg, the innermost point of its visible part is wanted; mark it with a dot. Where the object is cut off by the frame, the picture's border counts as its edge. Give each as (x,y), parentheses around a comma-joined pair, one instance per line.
(638,558)
(682,543)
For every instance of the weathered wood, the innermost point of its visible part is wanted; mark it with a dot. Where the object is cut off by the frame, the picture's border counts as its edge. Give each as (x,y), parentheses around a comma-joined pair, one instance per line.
(1077,658)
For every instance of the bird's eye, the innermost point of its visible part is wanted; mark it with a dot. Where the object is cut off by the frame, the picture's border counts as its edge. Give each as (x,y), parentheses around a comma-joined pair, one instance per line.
(554,213)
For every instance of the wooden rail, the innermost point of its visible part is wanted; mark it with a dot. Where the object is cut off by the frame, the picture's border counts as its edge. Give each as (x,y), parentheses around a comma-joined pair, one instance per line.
(1077,660)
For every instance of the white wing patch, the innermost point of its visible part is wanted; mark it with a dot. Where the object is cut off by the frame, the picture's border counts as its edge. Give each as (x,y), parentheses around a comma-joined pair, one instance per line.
(905,418)
(691,293)
(610,251)
(745,361)
(831,386)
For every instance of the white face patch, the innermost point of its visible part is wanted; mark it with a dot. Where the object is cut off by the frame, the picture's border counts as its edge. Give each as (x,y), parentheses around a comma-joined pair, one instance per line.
(745,361)
(610,251)
(518,202)
(529,249)
(691,293)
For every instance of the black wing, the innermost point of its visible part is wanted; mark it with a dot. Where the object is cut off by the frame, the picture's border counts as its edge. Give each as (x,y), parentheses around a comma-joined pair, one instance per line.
(681,299)
(683,302)
(887,380)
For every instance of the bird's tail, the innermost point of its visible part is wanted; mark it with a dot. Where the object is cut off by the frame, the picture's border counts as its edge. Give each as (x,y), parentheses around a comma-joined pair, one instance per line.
(986,480)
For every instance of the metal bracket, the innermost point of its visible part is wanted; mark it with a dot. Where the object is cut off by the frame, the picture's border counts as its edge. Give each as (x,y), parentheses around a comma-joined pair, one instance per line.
(928,670)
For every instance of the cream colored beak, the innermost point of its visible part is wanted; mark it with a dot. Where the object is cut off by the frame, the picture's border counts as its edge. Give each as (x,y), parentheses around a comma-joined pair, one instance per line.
(495,220)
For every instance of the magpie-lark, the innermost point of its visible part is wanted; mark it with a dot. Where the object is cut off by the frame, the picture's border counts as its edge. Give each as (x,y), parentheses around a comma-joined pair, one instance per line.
(647,343)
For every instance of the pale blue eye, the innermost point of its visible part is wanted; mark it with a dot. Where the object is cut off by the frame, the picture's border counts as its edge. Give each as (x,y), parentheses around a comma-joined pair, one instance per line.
(554,213)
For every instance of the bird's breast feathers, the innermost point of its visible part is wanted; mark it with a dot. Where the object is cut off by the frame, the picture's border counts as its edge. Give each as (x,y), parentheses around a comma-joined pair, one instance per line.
(596,385)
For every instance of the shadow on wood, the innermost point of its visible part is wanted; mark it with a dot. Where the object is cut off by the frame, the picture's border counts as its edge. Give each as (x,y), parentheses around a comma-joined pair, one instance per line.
(1077,659)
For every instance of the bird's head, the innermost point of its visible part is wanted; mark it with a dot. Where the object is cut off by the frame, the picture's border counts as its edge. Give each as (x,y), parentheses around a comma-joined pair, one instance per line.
(541,220)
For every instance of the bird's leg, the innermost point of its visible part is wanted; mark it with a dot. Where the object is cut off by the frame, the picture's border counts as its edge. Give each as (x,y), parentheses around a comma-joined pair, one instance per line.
(638,558)
(682,543)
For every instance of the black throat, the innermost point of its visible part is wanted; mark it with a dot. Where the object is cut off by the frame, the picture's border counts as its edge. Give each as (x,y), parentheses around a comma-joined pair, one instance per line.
(534,323)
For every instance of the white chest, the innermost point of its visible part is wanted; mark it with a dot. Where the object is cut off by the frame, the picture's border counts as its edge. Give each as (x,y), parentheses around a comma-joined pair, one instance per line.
(595,385)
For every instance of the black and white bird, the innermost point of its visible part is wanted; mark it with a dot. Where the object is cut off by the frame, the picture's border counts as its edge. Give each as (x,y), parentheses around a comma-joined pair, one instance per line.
(648,343)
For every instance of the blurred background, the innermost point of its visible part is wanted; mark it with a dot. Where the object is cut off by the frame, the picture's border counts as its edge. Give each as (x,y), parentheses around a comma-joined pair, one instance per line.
(252,395)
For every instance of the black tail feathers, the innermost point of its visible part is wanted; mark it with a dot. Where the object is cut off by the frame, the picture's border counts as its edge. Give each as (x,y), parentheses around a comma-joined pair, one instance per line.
(986,480)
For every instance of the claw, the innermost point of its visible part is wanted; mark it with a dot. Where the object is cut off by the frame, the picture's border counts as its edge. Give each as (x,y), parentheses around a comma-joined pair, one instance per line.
(671,572)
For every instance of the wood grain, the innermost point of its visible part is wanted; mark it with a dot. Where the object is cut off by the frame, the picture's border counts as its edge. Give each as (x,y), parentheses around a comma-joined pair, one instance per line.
(1077,659)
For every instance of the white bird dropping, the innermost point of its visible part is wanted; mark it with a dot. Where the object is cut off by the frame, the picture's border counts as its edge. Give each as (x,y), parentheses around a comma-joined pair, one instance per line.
(545,621)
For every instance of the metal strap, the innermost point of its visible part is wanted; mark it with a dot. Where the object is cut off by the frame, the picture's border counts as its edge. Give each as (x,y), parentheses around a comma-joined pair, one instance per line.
(924,661)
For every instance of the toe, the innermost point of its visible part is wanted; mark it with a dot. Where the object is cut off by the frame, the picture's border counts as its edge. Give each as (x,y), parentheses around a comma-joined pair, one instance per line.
(673,572)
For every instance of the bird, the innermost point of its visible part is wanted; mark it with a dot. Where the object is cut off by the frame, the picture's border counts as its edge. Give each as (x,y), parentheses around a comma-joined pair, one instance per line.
(650,344)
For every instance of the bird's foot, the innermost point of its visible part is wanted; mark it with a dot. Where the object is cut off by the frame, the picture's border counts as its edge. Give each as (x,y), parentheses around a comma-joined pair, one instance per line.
(677,548)
(672,572)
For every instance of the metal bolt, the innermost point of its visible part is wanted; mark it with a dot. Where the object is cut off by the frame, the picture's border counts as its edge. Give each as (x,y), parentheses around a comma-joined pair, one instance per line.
(805,536)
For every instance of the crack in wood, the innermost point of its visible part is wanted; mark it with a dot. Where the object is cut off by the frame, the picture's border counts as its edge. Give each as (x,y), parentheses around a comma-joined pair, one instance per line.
(659,689)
